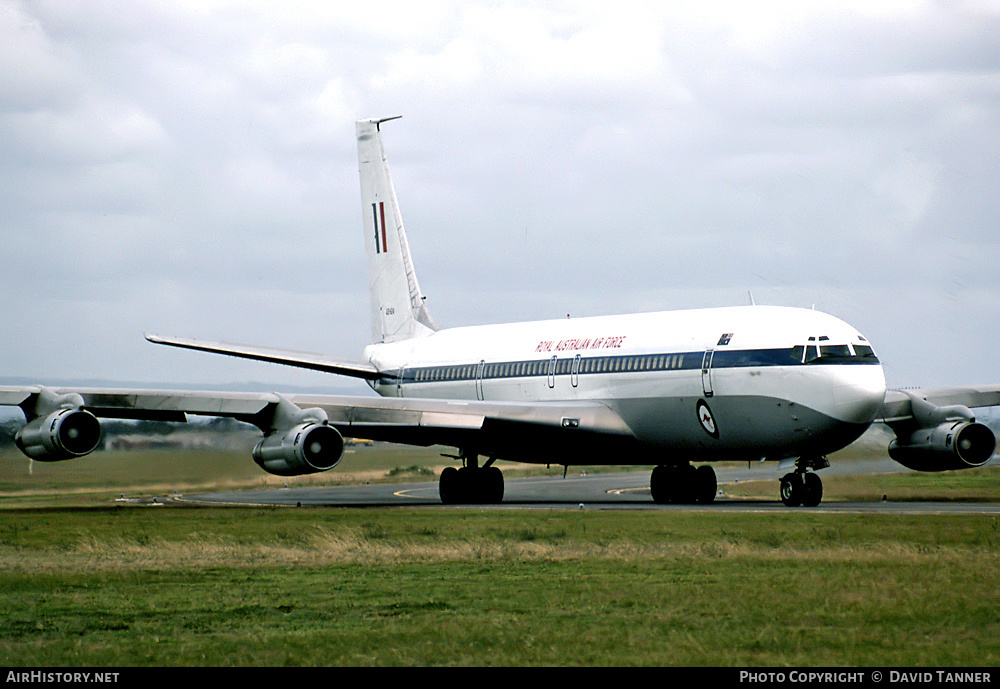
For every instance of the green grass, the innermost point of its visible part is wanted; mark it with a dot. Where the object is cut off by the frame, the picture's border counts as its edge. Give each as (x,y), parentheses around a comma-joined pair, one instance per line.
(86,582)
(139,586)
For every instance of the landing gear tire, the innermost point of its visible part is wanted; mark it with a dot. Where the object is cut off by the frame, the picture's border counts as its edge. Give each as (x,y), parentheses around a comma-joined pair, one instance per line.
(801,488)
(705,484)
(471,486)
(791,490)
(682,483)
(667,482)
(490,486)
(657,487)
(813,490)
(448,487)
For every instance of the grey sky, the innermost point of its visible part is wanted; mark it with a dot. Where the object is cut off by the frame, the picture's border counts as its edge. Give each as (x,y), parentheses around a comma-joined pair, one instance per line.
(190,169)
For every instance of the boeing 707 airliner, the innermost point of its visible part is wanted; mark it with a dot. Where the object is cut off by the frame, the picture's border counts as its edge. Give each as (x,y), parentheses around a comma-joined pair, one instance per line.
(676,390)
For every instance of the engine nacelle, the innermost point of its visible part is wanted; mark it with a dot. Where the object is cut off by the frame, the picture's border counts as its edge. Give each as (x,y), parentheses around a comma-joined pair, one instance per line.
(951,445)
(63,434)
(308,448)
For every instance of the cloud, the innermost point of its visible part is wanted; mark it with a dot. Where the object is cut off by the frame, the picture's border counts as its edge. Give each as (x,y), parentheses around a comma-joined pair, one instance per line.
(191,168)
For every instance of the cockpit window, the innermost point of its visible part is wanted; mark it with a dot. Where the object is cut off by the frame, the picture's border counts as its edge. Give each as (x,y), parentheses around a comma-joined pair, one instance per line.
(864,350)
(819,350)
(834,350)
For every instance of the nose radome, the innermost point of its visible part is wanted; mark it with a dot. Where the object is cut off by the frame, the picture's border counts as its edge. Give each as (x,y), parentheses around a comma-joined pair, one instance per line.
(859,393)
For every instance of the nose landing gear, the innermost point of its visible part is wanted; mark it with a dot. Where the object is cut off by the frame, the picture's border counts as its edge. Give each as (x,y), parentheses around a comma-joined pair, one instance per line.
(803,487)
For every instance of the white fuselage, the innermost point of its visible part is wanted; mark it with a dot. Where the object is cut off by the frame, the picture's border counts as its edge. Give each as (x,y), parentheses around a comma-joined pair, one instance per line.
(751,382)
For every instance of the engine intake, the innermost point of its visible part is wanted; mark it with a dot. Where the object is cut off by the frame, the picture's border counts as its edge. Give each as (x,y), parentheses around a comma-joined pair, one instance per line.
(63,434)
(308,448)
(948,446)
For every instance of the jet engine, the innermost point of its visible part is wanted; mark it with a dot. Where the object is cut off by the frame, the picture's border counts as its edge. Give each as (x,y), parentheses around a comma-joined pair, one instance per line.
(950,445)
(62,434)
(307,448)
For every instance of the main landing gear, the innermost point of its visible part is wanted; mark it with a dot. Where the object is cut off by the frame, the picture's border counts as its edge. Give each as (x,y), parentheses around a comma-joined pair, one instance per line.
(682,483)
(803,487)
(471,484)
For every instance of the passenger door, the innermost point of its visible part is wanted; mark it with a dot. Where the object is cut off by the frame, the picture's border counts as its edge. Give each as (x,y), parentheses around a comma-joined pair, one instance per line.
(706,372)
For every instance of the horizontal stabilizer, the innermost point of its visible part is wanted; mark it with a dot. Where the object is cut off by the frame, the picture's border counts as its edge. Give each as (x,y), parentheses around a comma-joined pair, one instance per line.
(315,362)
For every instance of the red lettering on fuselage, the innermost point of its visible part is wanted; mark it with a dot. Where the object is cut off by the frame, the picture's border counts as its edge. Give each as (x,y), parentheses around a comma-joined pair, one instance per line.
(579,344)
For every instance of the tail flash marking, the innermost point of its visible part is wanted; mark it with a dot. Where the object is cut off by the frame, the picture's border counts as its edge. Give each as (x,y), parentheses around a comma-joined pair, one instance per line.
(378,215)
(381,210)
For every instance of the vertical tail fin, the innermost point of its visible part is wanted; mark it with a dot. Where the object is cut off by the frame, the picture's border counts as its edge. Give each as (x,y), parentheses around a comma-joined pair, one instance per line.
(398,311)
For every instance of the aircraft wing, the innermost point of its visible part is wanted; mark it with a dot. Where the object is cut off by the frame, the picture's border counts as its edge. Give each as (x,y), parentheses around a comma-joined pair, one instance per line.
(899,404)
(936,429)
(316,362)
(531,432)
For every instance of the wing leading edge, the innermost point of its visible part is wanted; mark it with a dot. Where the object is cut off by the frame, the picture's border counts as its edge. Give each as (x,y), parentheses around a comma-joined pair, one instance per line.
(315,362)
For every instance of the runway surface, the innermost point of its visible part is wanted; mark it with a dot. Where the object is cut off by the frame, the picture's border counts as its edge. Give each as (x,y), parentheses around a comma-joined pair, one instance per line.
(617,491)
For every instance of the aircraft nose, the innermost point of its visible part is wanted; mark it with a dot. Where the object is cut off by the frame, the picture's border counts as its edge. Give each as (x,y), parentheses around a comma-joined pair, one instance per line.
(859,394)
